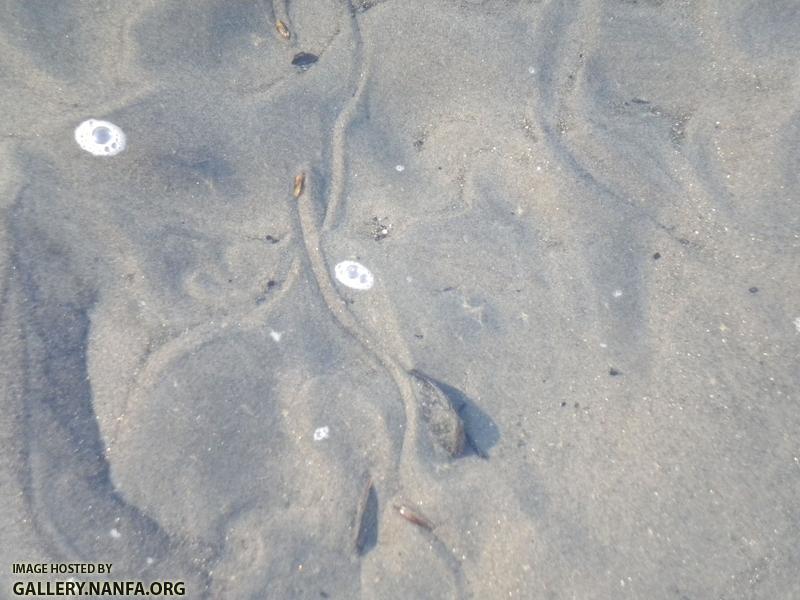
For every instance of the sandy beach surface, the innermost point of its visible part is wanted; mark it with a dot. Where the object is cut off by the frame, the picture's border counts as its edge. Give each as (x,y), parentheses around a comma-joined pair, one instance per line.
(574,376)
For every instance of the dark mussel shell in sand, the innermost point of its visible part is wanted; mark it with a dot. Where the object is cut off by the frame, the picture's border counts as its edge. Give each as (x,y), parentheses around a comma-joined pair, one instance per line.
(304,60)
(444,424)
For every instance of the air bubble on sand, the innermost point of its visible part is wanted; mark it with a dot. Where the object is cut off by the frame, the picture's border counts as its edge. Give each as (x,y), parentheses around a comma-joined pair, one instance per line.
(321,433)
(114,533)
(100,138)
(797,324)
(354,275)
(617,293)
(275,335)
(400,168)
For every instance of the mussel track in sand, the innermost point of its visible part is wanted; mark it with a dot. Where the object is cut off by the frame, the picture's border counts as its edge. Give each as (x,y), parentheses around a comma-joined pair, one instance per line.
(405,379)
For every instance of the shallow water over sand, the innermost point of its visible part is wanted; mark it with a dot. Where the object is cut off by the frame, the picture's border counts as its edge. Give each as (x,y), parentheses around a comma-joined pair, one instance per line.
(575,375)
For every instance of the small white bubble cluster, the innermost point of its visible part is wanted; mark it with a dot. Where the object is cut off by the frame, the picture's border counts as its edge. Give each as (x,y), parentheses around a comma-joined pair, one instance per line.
(100,138)
(354,275)
(321,433)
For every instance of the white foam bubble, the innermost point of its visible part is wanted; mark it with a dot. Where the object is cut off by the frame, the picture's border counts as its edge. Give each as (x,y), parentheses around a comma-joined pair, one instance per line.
(100,138)
(354,275)
(321,433)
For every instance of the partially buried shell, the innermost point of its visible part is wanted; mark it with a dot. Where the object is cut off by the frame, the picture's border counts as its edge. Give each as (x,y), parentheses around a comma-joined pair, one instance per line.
(304,60)
(282,29)
(299,181)
(445,426)
(366,519)
(413,517)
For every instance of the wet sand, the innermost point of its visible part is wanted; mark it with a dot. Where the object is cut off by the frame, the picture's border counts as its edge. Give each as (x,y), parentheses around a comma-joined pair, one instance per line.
(576,374)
